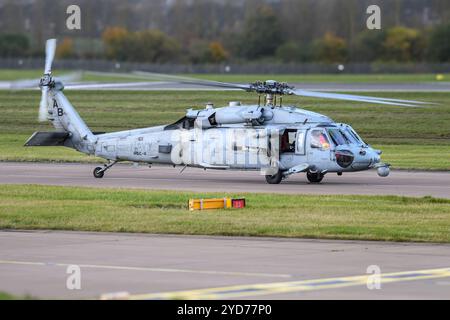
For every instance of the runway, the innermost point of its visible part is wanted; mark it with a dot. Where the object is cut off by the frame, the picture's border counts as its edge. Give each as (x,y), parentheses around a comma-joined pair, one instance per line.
(403,183)
(191,267)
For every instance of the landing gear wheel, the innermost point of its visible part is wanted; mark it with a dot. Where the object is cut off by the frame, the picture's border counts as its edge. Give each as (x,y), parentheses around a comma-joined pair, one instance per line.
(99,172)
(274,179)
(314,177)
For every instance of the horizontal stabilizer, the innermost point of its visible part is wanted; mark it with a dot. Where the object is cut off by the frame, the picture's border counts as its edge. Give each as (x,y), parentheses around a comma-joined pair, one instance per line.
(47,139)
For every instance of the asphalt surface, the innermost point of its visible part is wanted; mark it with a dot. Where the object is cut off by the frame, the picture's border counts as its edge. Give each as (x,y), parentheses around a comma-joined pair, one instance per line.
(405,183)
(137,266)
(159,266)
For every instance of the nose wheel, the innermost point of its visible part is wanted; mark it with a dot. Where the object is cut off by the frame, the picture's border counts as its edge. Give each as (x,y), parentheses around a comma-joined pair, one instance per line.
(315,177)
(99,172)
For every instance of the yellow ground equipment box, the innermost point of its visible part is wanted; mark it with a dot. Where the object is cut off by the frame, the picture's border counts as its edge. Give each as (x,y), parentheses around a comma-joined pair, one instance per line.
(217,203)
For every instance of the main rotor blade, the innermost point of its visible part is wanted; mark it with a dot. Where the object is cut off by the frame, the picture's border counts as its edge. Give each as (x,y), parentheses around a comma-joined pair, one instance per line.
(170,78)
(402,101)
(115,74)
(83,86)
(348,97)
(50,48)
(193,81)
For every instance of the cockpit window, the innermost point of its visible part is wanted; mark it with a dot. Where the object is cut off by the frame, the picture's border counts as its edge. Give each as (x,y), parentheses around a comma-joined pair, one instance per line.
(337,136)
(183,123)
(319,140)
(351,136)
(344,135)
(356,135)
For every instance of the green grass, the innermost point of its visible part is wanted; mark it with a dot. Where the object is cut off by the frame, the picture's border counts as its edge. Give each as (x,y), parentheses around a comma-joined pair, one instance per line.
(388,218)
(15,74)
(416,138)
(426,157)
(7,296)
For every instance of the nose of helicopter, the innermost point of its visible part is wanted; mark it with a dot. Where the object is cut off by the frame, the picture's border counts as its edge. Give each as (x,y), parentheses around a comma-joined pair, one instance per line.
(372,156)
(382,169)
(368,158)
(365,158)
(376,155)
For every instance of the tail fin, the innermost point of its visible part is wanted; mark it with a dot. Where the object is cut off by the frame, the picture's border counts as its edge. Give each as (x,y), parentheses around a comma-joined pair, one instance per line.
(55,107)
(64,117)
(71,130)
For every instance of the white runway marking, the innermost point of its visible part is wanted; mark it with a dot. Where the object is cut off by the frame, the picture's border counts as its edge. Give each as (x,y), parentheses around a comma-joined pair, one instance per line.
(95,266)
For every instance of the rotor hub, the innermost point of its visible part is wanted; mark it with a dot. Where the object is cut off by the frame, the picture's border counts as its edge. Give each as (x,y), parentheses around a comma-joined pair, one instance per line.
(271,87)
(46,81)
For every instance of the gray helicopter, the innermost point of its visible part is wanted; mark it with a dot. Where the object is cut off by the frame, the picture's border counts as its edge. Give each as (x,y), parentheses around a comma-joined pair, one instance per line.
(275,139)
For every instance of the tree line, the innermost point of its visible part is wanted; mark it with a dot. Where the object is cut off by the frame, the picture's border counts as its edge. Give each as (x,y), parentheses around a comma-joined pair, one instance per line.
(290,31)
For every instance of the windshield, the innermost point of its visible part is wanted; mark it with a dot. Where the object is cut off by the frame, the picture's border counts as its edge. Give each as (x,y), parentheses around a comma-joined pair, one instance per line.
(341,136)
(337,136)
(350,136)
(351,133)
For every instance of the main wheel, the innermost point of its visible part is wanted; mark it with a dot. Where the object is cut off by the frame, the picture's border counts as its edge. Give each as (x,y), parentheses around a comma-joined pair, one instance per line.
(314,177)
(274,179)
(98,173)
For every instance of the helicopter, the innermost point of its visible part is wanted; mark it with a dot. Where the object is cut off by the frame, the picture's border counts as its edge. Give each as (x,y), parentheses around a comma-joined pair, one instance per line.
(277,140)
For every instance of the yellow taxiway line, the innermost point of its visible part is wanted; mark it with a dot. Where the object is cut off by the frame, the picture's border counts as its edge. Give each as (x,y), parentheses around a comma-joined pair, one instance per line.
(252,290)
(242,291)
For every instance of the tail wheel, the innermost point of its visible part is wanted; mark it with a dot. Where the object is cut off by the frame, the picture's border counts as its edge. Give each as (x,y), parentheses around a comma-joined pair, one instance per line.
(274,179)
(314,177)
(99,172)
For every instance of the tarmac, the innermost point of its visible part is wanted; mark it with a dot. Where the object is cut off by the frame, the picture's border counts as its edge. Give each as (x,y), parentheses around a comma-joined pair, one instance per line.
(138,266)
(404,183)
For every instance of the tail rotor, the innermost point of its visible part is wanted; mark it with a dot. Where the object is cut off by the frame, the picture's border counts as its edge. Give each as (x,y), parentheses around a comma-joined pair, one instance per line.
(46,81)
(50,48)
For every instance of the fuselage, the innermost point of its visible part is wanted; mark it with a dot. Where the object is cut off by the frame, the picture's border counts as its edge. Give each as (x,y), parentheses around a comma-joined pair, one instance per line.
(288,137)
(277,140)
